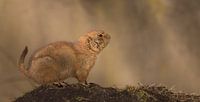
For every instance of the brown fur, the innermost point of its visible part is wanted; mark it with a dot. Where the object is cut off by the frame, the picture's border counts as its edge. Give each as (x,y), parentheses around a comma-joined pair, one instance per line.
(60,60)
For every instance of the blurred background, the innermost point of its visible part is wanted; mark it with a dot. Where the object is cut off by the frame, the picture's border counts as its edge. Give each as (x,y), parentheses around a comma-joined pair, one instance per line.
(153,41)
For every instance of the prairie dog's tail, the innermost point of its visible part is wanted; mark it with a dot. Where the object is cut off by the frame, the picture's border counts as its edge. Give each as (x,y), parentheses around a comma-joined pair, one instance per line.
(21,65)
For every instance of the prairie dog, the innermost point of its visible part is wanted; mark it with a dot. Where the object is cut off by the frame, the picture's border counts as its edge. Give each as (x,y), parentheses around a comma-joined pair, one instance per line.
(60,60)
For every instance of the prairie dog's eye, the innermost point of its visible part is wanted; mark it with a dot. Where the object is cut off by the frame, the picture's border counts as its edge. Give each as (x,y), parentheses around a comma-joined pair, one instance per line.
(100,35)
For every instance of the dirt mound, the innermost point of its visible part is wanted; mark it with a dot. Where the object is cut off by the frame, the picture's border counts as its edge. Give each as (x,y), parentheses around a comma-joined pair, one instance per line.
(95,93)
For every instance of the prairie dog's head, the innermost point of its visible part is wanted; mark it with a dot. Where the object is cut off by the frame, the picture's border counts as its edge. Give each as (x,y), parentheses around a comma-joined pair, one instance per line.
(96,40)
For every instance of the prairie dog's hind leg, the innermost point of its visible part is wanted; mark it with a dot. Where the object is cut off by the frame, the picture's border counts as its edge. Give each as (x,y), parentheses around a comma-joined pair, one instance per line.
(44,70)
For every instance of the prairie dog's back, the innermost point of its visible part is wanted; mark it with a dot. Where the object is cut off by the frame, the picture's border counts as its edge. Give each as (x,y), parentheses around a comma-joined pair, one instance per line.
(53,49)
(60,51)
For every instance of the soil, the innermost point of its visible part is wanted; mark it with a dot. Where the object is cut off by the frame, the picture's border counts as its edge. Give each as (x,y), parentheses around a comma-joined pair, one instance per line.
(95,93)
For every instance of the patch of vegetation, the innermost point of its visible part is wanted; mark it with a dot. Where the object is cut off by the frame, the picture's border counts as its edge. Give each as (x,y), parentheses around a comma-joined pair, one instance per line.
(95,93)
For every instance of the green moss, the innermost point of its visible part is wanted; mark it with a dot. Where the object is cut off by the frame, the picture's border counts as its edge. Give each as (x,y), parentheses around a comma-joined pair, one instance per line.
(142,96)
(81,99)
(130,89)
